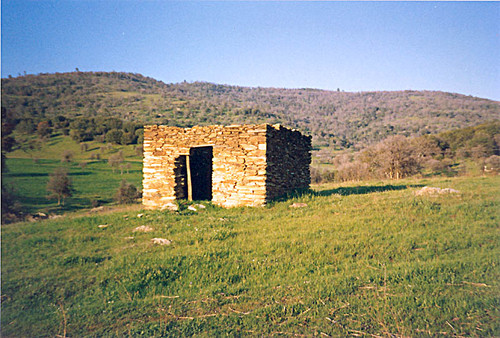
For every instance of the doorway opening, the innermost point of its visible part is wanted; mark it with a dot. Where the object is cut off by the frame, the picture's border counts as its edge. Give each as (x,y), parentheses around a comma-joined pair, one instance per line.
(193,174)
(200,168)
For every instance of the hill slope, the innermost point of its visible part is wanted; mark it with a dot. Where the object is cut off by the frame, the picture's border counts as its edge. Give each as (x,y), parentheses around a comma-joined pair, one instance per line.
(365,260)
(333,118)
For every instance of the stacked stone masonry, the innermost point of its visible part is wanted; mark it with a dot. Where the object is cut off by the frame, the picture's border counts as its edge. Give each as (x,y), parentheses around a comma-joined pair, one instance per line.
(242,165)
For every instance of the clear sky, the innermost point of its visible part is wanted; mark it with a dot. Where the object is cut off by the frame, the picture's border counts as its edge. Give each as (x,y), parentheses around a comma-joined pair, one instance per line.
(354,46)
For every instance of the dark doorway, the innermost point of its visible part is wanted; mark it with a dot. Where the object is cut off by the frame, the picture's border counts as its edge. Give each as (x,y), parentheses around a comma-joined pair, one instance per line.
(200,173)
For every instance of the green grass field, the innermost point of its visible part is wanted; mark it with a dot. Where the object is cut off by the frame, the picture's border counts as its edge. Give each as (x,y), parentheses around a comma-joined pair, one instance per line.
(96,181)
(367,259)
(28,173)
(57,144)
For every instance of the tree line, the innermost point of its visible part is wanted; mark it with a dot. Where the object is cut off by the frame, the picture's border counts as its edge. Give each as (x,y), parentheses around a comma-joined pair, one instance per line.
(400,156)
(335,119)
(17,134)
(82,129)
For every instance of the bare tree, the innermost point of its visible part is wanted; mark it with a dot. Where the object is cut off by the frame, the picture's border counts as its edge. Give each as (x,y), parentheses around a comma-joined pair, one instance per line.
(492,164)
(353,171)
(393,158)
(43,129)
(59,186)
(426,146)
(115,160)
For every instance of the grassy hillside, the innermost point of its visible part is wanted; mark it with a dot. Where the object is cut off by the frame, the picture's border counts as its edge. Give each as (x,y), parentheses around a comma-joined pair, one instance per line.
(56,145)
(94,180)
(95,183)
(336,119)
(371,259)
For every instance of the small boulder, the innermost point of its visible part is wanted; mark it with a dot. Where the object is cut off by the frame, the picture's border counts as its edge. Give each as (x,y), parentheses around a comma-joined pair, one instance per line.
(140,215)
(449,191)
(161,241)
(36,217)
(42,215)
(435,191)
(170,206)
(143,228)
(298,205)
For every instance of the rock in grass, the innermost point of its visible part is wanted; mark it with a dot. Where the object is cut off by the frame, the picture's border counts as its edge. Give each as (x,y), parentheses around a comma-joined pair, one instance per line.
(36,217)
(192,208)
(103,226)
(143,228)
(161,241)
(298,205)
(435,191)
(96,209)
(450,191)
(170,206)
(140,215)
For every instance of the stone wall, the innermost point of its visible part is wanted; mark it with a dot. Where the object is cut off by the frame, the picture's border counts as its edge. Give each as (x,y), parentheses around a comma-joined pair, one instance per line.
(239,163)
(288,160)
(250,164)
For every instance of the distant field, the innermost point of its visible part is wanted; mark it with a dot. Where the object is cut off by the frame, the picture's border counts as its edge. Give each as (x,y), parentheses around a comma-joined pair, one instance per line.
(54,147)
(368,259)
(96,181)
(28,173)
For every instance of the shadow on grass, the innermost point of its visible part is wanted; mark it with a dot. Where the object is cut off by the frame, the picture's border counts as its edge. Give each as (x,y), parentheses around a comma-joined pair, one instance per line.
(26,174)
(32,205)
(70,204)
(346,191)
(43,174)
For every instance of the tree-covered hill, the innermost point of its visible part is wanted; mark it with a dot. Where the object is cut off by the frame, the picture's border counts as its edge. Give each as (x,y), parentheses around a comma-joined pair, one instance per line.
(334,118)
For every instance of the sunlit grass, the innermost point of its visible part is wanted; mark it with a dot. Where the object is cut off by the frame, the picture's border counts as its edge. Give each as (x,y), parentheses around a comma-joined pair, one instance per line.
(360,259)
(97,181)
(53,148)
(93,179)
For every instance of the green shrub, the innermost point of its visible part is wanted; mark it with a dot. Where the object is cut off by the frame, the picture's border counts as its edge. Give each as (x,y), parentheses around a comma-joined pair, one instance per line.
(126,193)
(114,136)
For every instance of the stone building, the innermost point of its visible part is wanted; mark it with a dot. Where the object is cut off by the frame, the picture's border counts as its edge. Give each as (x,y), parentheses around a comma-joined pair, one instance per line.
(241,165)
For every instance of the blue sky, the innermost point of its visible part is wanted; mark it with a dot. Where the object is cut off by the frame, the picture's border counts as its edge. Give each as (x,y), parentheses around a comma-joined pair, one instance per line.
(354,46)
